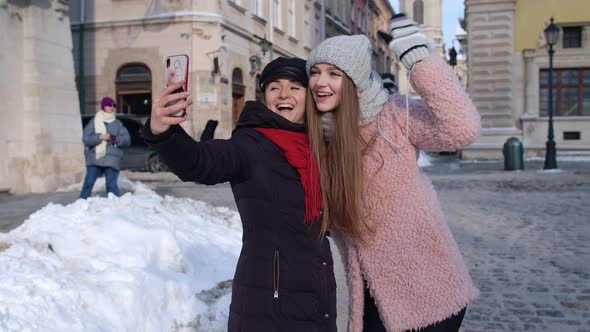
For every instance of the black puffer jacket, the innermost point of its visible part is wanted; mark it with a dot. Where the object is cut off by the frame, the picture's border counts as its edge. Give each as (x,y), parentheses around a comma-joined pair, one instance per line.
(284,279)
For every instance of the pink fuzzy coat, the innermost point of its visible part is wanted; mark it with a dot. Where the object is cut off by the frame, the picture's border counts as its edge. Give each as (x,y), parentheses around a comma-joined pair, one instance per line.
(412,263)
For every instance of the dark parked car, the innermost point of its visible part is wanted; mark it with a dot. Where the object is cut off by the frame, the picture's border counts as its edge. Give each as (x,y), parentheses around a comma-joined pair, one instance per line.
(138,156)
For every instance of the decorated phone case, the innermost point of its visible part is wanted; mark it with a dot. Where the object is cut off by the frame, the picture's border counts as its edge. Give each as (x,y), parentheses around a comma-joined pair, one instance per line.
(176,70)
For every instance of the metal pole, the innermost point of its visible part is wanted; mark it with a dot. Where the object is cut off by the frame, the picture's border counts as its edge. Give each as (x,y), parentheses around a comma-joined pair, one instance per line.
(550,159)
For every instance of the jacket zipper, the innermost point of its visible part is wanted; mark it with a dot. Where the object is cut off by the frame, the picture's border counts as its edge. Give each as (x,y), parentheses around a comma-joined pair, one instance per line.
(275,275)
(324,287)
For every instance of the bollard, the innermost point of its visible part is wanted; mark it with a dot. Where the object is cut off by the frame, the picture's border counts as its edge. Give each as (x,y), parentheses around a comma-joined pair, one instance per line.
(513,154)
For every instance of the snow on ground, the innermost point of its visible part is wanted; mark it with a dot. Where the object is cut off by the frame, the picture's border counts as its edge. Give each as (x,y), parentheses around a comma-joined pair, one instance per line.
(424,160)
(140,262)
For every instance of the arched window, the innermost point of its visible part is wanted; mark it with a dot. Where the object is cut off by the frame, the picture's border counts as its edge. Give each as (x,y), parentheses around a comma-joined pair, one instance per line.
(418,11)
(134,73)
(236,76)
(134,89)
(238,91)
(259,93)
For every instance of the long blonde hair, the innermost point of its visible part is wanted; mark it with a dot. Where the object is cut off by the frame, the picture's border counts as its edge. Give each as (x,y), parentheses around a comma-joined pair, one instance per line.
(340,164)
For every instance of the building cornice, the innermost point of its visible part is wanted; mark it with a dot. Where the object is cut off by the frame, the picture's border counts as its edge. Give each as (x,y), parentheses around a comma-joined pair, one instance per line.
(488,2)
(153,19)
(176,17)
(485,6)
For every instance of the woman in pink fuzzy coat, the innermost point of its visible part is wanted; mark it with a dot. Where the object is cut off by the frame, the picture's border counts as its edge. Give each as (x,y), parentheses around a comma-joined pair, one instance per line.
(404,269)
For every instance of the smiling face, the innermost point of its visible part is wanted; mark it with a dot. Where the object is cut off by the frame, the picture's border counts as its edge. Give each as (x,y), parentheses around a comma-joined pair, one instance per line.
(325,83)
(286,98)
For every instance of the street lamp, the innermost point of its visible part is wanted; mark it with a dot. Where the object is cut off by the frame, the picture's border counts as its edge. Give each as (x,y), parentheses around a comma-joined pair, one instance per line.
(452,56)
(551,35)
(264,45)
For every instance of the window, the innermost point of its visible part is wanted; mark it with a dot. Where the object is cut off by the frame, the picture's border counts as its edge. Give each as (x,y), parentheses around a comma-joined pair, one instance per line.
(418,10)
(291,31)
(259,94)
(572,37)
(359,20)
(134,73)
(276,14)
(571,92)
(318,35)
(238,4)
(134,89)
(306,34)
(258,9)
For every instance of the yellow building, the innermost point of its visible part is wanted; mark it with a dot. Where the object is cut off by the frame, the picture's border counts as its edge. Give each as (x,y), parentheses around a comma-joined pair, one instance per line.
(508,74)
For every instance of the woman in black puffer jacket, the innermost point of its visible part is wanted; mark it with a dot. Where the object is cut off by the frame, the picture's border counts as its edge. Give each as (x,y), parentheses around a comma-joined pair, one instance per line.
(284,279)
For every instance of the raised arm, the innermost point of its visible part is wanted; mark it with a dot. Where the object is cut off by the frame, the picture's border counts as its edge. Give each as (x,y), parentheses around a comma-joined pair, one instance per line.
(445,119)
(210,162)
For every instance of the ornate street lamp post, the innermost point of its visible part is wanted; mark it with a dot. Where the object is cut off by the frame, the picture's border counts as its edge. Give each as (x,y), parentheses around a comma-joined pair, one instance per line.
(453,56)
(265,45)
(551,35)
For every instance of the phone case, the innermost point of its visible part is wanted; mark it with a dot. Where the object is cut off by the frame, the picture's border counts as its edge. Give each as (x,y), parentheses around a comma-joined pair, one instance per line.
(176,70)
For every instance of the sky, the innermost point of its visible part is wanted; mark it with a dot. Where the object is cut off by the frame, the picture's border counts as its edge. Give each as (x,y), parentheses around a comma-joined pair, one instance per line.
(140,262)
(451,10)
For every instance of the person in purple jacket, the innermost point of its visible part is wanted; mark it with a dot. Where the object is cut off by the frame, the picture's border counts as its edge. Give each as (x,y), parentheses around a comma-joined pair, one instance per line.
(284,279)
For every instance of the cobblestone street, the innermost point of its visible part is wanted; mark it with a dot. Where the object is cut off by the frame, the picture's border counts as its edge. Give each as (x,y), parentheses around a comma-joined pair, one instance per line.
(525,237)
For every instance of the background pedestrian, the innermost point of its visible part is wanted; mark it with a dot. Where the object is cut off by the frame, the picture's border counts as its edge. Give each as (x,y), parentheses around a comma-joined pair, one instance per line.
(103,138)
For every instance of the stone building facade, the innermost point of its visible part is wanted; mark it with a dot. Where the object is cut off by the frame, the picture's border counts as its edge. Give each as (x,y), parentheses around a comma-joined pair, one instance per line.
(117,48)
(40,132)
(368,17)
(428,14)
(508,69)
(124,44)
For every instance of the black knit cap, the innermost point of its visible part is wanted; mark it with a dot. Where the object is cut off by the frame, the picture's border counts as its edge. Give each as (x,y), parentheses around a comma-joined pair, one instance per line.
(291,68)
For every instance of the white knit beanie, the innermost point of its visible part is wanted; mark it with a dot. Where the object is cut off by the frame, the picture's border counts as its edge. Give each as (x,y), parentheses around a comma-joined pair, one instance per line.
(352,54)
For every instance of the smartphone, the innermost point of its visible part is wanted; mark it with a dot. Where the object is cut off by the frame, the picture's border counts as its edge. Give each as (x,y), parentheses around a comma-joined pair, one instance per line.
(176,70)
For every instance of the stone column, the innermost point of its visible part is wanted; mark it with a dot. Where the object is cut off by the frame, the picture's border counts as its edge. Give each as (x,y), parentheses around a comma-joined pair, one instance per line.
(531,81)
(40,128)
(491,46)
(491,76)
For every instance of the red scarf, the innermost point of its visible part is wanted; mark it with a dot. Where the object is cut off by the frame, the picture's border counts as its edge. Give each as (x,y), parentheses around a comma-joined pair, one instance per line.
(298,153)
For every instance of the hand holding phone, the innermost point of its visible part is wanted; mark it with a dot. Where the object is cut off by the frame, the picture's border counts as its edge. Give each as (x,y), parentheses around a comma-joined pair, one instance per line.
(176,70)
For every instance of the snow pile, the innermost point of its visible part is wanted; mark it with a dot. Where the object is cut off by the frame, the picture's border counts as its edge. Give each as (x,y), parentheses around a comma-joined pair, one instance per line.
(140,262)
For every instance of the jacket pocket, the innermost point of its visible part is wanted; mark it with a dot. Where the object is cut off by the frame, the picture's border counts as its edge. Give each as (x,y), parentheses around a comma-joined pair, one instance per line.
(275,274)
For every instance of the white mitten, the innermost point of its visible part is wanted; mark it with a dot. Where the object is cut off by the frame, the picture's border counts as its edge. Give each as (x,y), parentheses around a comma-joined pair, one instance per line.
(406,40)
